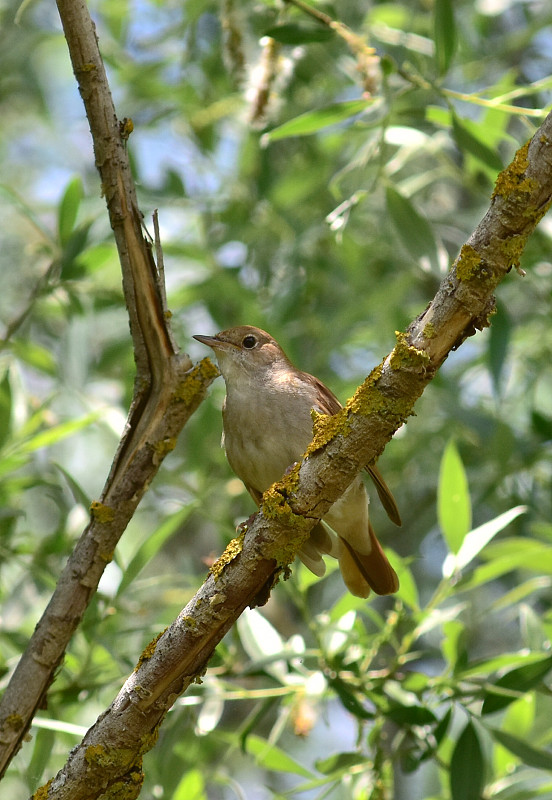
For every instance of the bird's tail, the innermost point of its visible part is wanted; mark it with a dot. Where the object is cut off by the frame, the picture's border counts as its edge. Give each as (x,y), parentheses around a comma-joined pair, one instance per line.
(363,572)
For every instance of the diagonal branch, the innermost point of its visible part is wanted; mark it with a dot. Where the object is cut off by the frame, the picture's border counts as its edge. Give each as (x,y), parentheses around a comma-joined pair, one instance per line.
(167,391)
(108,760)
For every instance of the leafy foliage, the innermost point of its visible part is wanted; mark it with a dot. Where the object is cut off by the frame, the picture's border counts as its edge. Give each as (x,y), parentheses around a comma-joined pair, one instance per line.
(320,191)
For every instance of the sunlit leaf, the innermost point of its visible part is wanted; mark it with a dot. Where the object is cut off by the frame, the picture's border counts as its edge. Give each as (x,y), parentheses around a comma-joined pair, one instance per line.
(474,542)
(531,756)
(313,121)
(191,786)
(261,641)
(519,680)
(56,433)
(453,499)
(271,757)
(408,590)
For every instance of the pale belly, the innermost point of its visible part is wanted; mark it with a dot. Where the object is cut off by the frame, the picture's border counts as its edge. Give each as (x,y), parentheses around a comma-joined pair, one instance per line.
(260,446)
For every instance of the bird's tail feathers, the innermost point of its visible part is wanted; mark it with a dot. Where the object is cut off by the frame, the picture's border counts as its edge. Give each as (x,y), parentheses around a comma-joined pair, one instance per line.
(363,572)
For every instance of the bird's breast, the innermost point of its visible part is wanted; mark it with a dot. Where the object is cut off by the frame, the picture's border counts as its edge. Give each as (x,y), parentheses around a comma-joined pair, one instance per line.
(265,432)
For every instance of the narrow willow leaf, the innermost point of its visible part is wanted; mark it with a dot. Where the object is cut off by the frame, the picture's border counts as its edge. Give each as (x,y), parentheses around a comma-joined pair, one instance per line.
(152,545)
(470,143)
(260,641)
(271,757)
(531,756)
(475,540)
(444,34)
(339,761)
(69,208)
(499,339)
(453,499)
(57,433)
(467,767)
(414,230)
(349,700)
(313,121)
(5,407)
(299,34)
(519,680)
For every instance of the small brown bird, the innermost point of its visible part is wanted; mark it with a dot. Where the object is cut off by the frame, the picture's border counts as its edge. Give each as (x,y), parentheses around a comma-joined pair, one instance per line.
(267,428)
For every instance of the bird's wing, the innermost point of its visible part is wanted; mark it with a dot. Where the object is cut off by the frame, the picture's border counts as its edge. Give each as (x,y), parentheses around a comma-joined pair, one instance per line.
(384,494)
(328,403)
(255,494)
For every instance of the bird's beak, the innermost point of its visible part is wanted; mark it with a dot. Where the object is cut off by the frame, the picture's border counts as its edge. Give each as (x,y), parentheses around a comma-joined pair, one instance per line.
(210,341)
(215,342)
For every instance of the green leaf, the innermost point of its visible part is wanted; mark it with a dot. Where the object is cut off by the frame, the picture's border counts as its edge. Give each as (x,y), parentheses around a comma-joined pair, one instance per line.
(531,756)
(152,545)
(499,339)
(498,663)
(56,433)
(191,787)
(313,121)
(262,643)
(35,355)
(339,761)
(5,408)
(411,715)
(349,700)
(453,499)
(442,726)
(475,540)
(271,757)
(467,766)
(444,35)
(541,424)
(44,741)
(469,142)
(414,231)
(299,34)
(453,644)
(69,208)
(519,680)
(408,591)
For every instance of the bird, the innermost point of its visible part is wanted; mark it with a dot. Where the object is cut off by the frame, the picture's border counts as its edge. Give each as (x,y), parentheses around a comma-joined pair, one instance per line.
(267,426)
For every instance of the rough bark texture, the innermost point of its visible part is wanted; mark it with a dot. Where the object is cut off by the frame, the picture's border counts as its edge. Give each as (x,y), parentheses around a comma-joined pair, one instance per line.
(167,391)
(108,760)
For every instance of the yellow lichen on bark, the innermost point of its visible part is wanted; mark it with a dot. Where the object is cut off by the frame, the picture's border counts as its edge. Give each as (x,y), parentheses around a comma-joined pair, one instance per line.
(233,549)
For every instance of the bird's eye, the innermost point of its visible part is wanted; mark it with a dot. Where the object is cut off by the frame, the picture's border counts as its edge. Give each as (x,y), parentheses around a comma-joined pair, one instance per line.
(249,342)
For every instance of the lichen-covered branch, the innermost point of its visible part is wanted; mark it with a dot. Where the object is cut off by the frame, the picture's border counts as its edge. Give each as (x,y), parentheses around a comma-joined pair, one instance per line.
(109,758)
(167,391)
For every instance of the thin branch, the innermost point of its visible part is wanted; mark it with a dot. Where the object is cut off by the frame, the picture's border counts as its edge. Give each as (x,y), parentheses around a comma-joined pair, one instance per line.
(167,391)
(108,760)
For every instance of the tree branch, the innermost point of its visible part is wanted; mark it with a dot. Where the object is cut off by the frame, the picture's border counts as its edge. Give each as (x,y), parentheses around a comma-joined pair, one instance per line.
(167,391)
(108,760)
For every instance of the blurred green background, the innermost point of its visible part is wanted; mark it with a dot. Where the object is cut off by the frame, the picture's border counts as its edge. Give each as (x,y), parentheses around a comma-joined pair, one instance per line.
(331,233)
